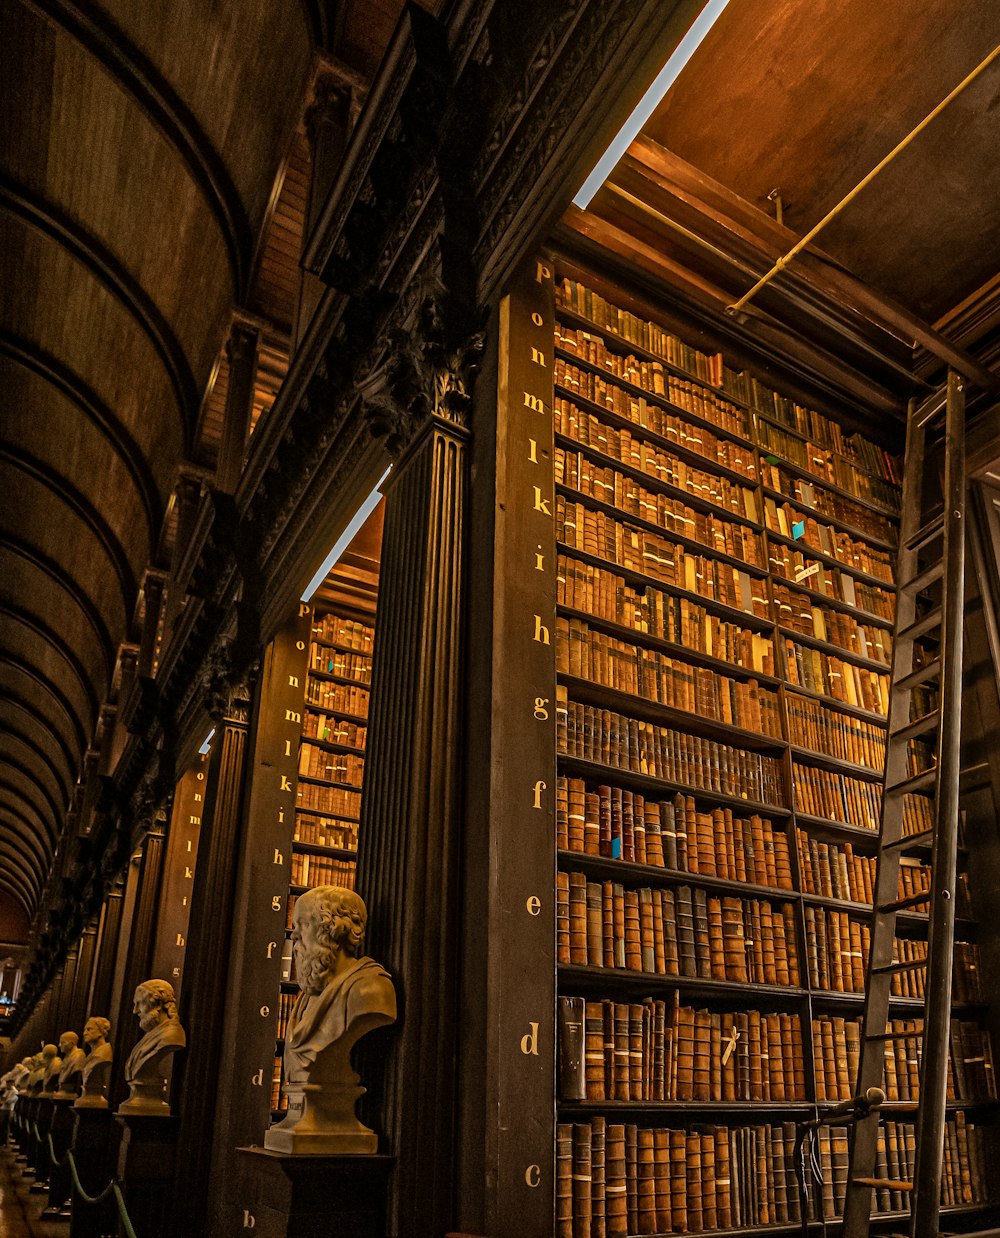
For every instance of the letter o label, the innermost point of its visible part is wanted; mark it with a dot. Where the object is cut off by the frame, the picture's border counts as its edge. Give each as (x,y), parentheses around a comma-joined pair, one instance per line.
(533,1175)
(300,644)
(536,318)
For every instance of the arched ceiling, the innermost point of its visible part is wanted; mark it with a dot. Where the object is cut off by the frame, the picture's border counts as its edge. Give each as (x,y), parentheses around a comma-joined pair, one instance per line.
(140,146)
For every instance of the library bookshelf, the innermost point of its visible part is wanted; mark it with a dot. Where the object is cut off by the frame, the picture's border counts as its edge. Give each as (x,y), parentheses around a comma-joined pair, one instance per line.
(723,648)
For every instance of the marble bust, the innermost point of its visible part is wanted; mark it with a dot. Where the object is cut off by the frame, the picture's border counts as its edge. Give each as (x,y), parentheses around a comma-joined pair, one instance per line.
(96,1065)
(51,1066)
(146,1065)
(73,1058)
(344,996)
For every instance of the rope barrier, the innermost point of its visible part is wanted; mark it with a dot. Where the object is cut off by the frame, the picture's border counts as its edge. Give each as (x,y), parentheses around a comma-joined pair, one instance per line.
(112,1187)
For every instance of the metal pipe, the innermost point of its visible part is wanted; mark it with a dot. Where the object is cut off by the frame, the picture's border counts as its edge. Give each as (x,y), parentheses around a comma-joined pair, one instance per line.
(817,228)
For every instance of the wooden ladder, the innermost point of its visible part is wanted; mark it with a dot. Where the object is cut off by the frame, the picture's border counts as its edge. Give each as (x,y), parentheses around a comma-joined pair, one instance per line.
(929,608)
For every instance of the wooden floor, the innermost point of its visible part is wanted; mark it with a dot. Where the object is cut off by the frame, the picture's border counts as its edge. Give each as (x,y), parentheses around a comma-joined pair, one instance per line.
(19,1207)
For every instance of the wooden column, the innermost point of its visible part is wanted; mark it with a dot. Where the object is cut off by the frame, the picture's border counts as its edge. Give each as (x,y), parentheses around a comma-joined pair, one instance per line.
(408,864)
(86,955)
(107,952)
(253,979)
(174,915)
(139,953)
(210,943)
(241,352)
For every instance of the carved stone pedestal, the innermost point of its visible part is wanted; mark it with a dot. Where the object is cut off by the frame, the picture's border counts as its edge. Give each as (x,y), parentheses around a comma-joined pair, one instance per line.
(60,1178)
(313,1196)
(321,1122)
(147,1151)
(93,1151)
(29,1143)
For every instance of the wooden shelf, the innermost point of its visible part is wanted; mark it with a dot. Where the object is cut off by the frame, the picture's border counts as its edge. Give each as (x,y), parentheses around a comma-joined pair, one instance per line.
(835,765)
(823,599)
(690,1110)
(812,552)
(330,677)
(325,782)
(662,788)
(876,543)
(647,640)
(836,651)
(584,692)
(323,644)
(767,419)
(642,581)
(632,873)
(588,979)
(841,707)
(872,505)
(668,535)
(328,745)
(336,713)
(335,853)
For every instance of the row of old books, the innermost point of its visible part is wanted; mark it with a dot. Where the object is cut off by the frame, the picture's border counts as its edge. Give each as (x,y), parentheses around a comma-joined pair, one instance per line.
(326,832)
(620,742)
(661,465)
(333,766)
(675,932)
(620,1178)
(837,797)
(321,870)
(662,560)
(333,730)
(651,377)
(285,1003)
(616,823)
(713,530)
(854,450)
(339,697)
(814,496)
(331,629)
(586,653)
(836,870)
(814,725)
(831,676)
(803,569)
(837,945)
(681,620)
(968,1175)
(348,665)
(648,415)
(279,1102)
(837,1049)
(656,1050)
(850,552)
(795,610)
(336,801)
(827,465)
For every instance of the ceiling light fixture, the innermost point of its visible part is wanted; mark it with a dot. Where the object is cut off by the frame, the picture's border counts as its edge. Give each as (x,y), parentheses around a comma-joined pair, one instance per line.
(666,77)
(345,539)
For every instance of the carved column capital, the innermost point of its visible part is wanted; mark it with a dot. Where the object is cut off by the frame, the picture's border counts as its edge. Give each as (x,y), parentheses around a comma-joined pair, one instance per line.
(430,371)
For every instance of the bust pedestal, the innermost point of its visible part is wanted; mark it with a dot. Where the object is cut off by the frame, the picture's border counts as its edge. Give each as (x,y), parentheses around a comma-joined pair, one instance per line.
(60,1178)
(147,1150)
(92,1151)
(321,1121)
(296,1196)
(42,1161)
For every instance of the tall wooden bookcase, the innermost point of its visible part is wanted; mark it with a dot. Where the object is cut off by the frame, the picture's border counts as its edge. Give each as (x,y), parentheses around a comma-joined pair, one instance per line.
(722,637)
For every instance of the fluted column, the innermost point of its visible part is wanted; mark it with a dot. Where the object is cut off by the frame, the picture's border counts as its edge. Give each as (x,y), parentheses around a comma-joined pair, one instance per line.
(408,866)
(241,353)
(202,1006)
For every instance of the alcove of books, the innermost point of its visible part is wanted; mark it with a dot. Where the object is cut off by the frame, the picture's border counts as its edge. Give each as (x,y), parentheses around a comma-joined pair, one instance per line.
(723,643)
(337,673)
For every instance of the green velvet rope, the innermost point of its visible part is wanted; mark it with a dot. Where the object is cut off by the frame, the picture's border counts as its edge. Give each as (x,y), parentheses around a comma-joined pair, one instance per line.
(111,1188)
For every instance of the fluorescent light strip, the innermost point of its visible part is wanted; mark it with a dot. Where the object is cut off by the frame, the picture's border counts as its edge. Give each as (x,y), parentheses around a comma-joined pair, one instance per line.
(206,743)
(666,77)
(345,539)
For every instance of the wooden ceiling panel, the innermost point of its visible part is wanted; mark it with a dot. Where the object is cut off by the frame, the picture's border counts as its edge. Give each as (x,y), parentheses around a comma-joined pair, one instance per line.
(240,67)
(808,98)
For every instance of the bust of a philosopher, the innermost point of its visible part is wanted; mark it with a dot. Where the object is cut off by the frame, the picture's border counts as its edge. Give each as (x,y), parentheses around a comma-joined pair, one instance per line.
(52,1064)
(73,1058)
(146,1065)
(96,1065)
(344,995)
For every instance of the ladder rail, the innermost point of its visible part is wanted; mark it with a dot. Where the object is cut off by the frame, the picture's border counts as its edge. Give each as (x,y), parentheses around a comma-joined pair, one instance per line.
(944,855)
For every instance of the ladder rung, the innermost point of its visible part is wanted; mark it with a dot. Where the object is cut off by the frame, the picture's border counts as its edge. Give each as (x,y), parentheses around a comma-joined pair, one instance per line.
(901,904)
(929,670)
(919,782)
(936,402)
(933,528)
(900,1106)
(888,1184)
(920,726)
(892,969)
(894,1035)
(920,627)
(920,839)
(927,577)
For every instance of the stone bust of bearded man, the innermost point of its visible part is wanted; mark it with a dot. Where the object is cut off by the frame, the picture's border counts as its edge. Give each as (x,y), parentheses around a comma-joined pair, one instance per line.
(344,995)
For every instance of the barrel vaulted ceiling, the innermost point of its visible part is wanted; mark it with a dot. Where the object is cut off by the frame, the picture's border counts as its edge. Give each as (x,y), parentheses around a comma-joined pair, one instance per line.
(140,145)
